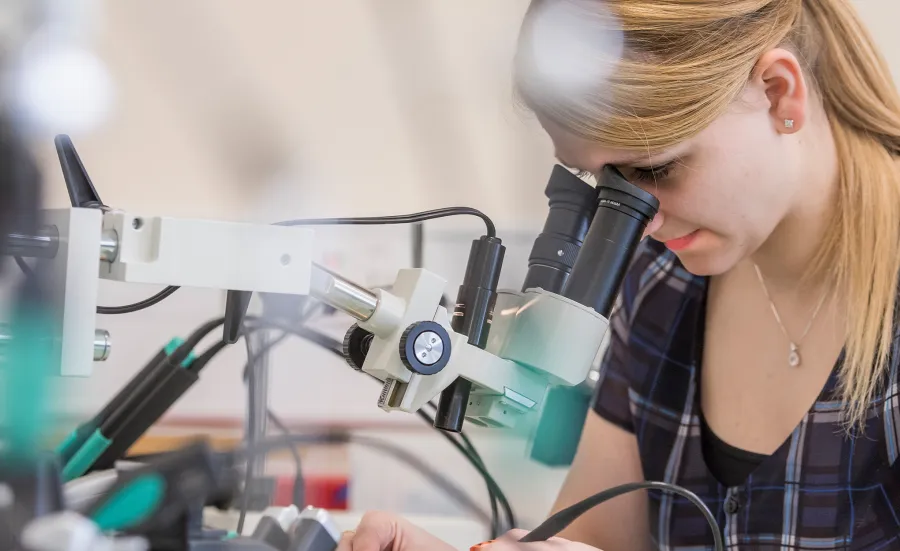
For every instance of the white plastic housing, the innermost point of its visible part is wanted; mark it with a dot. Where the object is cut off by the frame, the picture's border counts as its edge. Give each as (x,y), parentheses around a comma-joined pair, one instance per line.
(210,254)
(72,274)
(555,335)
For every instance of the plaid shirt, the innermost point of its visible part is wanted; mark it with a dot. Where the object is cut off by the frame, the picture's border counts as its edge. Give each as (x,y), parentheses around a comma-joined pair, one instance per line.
(820,490)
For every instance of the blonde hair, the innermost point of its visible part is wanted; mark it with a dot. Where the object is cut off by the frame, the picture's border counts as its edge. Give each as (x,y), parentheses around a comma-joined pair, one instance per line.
(683,64)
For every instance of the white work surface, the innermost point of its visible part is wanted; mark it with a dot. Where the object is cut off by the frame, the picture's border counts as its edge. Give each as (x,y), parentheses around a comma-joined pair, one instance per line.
(461,533)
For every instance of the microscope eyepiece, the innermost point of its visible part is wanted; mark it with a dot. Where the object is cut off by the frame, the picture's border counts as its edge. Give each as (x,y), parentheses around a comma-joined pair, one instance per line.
(623,212)
(615,192)
(573,203)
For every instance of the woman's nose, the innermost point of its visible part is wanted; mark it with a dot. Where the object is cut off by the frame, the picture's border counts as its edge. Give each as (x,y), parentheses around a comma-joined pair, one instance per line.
(654,224)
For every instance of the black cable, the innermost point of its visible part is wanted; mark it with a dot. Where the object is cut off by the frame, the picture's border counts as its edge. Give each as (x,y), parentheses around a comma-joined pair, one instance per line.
(26,269)
(332,345)
(493,487)
(397,219)
(137,306)
(561,520)
(433,475)
(203,359)
(299,494)
(112,310)
(474,457)
(252,360)
(201,332)
(249,465)
(495,496)
(326,342)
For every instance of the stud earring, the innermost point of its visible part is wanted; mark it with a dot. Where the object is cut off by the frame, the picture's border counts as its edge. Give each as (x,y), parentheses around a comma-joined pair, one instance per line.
(788,123)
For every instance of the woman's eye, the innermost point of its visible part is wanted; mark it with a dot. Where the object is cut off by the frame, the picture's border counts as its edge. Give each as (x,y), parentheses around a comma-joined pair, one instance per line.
(652,174)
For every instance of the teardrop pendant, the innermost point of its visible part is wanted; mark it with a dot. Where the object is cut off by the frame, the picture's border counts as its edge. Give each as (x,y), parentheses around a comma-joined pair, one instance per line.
(794,356)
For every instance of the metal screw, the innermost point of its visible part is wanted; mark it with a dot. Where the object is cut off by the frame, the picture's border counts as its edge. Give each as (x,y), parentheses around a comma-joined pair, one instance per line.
(137,223)
(285,259)
(560,253)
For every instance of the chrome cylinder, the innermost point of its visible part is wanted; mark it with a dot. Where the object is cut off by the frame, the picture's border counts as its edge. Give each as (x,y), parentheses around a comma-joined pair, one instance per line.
(42,245)
(102,342)
(340,293)
(102,345)
(109,245)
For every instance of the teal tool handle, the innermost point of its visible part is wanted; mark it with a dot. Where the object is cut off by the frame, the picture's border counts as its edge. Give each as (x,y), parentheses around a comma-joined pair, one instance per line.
(74,441)
(77,438)
(86,455)
(157,494)
(131,503)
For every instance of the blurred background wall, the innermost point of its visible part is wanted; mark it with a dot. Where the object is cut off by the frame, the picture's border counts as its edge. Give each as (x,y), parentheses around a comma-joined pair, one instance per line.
(261,111)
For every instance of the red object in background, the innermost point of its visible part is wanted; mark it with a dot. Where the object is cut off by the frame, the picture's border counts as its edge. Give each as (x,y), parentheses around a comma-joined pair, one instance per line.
(327,492)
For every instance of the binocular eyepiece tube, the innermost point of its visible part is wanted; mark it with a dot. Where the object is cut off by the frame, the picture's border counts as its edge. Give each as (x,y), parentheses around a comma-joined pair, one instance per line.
(590,237)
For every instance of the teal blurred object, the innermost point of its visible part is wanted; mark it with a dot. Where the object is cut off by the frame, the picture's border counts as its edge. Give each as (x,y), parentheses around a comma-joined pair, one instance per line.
(132,504)
(86,455)
(87,443)
(555,439)
(26,373)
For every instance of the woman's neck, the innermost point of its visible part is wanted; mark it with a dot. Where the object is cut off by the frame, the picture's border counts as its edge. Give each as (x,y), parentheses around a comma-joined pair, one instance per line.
(785,257)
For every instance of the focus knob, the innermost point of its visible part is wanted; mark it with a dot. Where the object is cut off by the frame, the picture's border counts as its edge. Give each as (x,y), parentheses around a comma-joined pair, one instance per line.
(356,346)
(425,348)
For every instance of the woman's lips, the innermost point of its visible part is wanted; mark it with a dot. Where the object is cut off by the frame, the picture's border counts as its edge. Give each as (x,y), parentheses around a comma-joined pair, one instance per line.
(682,243)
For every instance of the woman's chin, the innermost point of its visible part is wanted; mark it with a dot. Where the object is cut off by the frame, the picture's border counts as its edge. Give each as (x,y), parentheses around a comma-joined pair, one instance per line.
(710,261)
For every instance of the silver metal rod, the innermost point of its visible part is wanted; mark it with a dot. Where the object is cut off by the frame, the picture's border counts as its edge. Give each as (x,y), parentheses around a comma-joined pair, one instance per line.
(102,342)
(109,245)
(43,245)
(102,345)
(340,293)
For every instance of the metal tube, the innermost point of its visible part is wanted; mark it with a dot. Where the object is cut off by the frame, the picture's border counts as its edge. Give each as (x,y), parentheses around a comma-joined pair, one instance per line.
(109,245)
(43,245)
(102,342)
(340,293)
(102,345)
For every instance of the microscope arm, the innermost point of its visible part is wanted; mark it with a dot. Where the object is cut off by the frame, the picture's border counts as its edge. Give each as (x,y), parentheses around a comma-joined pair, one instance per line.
(538,339)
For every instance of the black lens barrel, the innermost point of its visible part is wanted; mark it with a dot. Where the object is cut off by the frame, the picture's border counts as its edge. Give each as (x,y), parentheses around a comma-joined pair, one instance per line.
(573,203)
(623,212)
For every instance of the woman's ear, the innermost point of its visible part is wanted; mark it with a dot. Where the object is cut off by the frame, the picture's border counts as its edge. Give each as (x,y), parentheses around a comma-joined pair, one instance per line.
(780,74)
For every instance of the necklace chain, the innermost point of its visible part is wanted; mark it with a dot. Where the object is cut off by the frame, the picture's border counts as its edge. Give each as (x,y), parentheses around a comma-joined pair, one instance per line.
(794,356)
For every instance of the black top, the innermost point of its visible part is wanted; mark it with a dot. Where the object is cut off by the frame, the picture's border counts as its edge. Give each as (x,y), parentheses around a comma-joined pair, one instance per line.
(730,465)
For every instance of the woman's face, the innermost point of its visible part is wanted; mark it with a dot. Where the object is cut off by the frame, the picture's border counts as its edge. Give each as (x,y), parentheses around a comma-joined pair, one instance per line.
(722,194)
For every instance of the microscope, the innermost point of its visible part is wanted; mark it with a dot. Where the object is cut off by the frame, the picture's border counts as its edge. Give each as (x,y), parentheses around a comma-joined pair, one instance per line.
(490,360)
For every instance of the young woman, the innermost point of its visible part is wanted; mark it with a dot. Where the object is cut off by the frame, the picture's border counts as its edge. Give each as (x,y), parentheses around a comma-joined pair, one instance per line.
(752,358)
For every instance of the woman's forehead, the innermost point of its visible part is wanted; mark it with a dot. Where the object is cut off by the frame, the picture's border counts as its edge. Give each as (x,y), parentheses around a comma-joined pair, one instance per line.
(580,153)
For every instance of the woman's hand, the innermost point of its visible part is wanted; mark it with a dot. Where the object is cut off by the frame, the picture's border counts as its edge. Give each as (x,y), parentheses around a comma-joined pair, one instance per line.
(386,532)
(510,542)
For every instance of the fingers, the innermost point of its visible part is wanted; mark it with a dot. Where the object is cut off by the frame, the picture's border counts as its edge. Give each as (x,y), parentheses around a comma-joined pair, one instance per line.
(376,532)
(346,543)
